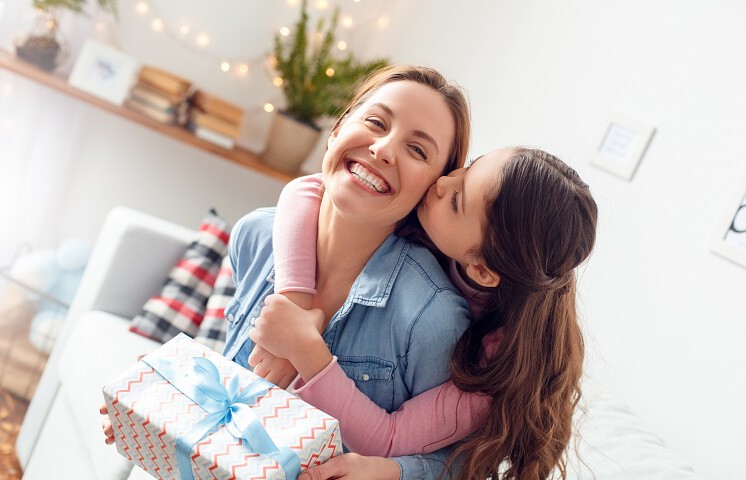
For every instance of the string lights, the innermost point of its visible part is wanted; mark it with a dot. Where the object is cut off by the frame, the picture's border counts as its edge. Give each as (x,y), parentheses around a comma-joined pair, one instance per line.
(199,42)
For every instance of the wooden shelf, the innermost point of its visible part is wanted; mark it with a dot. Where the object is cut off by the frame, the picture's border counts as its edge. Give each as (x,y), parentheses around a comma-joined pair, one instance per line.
(238,155)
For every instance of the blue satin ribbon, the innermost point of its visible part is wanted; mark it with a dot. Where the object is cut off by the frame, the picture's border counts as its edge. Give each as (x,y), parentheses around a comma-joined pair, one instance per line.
(225,406)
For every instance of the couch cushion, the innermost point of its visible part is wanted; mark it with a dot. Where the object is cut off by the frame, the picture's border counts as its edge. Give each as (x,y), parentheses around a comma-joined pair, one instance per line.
(214,326)
(99,348)
(180,305)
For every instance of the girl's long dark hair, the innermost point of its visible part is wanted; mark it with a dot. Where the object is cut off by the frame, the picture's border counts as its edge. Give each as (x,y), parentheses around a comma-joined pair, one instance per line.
(540,226)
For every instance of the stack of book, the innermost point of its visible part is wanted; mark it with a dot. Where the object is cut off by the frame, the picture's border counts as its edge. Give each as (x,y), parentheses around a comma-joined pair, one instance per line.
(215,120)
(160,95)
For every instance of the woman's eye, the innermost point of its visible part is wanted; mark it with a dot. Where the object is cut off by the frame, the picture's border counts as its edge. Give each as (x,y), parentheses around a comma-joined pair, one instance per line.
(419,151)
(454,204)
(375,122)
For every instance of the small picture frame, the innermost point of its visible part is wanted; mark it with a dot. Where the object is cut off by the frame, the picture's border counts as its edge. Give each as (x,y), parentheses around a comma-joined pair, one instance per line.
(622,146)
(730,239)
(104,71)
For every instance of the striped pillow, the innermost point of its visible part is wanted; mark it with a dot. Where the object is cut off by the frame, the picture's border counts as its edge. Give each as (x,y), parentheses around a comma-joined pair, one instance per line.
(180,305)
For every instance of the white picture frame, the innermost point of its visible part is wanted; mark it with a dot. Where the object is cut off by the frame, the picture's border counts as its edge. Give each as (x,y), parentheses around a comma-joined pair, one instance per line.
(104,71)
(622,145)
(730,238)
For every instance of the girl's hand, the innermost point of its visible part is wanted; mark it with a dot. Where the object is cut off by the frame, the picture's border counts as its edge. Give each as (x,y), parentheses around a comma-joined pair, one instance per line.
(284,329)
(352,466)
(273,369)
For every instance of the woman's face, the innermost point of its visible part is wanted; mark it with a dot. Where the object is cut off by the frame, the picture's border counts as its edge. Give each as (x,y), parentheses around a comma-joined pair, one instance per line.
(385,155)
(453,210)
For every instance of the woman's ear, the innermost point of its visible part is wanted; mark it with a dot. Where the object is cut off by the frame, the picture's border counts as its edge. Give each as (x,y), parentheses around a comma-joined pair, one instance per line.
(480,273)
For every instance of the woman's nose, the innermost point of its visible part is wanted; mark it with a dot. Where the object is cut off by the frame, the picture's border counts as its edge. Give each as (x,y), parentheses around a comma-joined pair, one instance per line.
(382,150)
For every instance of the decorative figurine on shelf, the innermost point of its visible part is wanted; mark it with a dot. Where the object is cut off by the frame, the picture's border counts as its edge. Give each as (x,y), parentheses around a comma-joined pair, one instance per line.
(43,46)
(315,82)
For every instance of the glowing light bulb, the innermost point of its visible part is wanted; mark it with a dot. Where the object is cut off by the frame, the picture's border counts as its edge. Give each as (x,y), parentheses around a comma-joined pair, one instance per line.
(329,72)
(225,66)
(383,22)
(184,29)
(347,22)
(277,81)
(292,3)
(284,31)
(99,27)
(342,45)
(322,4)
(203,40)
(272,61)
(156,24)
(142,8)
(243,69)
(269,108)
(356,1)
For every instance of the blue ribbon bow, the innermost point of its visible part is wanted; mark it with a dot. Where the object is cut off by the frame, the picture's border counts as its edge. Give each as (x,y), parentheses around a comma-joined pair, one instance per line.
(225,406)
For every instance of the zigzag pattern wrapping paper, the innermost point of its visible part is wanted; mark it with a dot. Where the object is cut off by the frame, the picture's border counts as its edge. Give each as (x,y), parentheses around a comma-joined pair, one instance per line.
(148,414)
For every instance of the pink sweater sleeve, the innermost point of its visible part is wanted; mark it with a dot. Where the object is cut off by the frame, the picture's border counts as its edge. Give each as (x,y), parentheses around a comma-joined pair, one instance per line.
(425,423)
(294,235)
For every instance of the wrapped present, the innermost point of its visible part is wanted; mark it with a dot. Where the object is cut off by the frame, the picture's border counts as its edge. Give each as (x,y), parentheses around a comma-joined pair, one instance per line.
(185,411)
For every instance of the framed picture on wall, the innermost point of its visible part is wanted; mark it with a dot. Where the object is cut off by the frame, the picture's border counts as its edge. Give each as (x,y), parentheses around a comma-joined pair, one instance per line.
(730,240)
(622,145)
(104,71)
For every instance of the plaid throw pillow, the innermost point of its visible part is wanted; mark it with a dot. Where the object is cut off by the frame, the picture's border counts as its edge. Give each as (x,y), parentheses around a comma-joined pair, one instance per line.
(214,326)
(180,306)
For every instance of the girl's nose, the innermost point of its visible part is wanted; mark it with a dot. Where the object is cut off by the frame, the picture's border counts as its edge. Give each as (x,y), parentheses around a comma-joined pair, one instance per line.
(441,186)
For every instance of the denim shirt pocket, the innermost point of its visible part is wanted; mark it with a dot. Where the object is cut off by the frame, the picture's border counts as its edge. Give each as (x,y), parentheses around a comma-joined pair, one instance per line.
(373,376)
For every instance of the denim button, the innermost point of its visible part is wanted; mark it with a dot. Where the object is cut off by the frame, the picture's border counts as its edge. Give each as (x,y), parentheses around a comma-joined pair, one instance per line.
(230,317)
(366,377)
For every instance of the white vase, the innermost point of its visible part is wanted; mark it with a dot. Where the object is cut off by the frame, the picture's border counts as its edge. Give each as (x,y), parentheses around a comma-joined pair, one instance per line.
(289,143)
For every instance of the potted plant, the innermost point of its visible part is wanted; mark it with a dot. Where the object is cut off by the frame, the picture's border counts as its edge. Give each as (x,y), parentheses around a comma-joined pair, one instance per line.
(43,46)
(315,82)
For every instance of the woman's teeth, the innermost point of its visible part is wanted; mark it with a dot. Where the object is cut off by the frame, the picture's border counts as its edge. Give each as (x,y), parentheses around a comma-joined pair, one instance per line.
(374,182)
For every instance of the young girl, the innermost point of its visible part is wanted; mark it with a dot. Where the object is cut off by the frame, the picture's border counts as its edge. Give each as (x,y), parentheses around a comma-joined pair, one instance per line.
(516,223)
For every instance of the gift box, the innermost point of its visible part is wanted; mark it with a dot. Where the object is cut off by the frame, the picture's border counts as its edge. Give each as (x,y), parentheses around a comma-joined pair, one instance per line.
(185,411)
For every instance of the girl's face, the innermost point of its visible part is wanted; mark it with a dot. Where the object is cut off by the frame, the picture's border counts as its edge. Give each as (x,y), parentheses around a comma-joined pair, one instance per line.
(453,210)
(387,152)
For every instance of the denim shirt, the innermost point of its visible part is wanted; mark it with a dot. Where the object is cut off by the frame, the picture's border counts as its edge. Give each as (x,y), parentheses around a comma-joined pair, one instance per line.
(393,335)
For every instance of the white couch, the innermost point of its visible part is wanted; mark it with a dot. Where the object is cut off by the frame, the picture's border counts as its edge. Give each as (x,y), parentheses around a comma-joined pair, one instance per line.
(61,435)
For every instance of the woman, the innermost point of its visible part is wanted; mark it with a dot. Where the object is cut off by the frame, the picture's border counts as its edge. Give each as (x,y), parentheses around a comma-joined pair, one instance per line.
(390,314)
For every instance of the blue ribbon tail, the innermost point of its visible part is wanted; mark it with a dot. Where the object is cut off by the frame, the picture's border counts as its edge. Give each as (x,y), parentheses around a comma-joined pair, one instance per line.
(189,439)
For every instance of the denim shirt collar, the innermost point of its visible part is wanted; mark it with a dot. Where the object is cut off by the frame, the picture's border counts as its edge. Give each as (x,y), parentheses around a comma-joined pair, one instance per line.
(368,288)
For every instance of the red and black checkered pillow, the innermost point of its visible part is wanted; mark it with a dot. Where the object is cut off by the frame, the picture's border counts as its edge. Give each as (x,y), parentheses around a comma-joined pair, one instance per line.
(214,326)
(180,306)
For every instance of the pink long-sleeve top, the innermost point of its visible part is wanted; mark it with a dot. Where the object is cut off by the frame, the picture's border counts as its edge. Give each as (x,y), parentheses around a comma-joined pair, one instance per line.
(423,424)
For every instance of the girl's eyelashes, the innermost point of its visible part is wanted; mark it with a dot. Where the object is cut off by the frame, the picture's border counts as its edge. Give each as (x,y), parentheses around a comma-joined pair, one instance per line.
(454,203)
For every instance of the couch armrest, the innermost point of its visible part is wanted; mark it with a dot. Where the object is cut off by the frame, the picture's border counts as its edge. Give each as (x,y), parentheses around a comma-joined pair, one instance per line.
(132,256)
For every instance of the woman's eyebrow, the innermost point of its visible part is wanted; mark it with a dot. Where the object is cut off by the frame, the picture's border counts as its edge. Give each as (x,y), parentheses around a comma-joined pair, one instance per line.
(416,133)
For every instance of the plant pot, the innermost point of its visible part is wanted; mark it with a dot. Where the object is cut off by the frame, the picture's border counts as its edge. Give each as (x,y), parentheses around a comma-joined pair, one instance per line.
(43,45)
(289,143)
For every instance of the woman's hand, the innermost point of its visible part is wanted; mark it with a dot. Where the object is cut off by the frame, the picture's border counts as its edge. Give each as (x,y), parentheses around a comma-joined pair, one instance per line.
(351,466)
(272,368)
(284,329)
(106,425)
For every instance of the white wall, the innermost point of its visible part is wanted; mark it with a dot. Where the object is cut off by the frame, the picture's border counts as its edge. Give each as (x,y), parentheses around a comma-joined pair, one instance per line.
(664,317)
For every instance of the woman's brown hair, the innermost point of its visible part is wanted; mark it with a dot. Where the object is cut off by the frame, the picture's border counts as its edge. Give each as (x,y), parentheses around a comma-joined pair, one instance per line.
(540,225)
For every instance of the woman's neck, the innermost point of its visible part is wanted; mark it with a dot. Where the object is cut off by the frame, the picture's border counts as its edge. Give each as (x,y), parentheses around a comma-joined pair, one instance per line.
(344,246)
